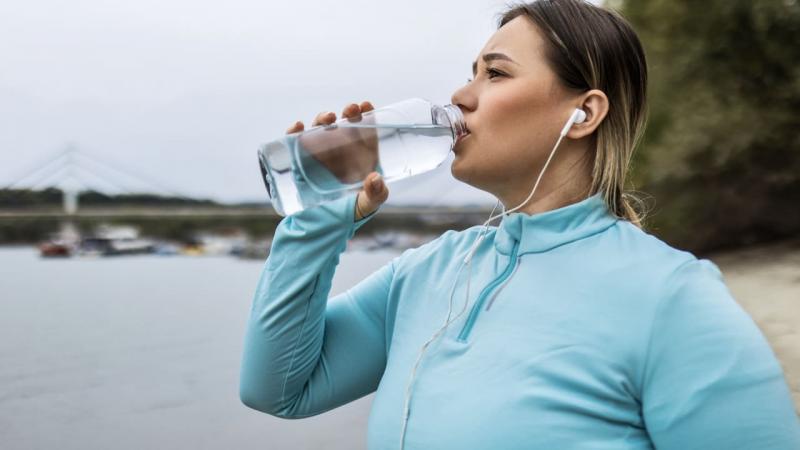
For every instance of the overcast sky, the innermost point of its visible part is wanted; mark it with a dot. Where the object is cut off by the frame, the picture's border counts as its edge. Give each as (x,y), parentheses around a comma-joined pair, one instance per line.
(183,92)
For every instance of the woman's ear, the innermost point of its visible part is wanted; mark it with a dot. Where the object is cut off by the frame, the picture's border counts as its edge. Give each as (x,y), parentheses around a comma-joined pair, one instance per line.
(595,105)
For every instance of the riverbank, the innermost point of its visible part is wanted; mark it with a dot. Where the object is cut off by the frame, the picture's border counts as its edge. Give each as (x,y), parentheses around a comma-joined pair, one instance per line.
(765,280)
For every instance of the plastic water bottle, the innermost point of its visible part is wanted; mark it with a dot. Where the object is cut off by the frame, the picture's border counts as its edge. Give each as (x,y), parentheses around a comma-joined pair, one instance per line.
(324,163)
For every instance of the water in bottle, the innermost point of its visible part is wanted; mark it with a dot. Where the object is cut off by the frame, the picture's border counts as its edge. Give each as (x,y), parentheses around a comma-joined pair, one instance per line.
(324,163)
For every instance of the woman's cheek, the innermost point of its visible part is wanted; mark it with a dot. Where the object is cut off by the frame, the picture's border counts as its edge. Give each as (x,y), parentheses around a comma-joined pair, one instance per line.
(474,163)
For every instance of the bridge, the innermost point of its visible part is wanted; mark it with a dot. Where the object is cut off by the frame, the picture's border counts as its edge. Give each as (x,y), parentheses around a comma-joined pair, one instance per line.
(73,171)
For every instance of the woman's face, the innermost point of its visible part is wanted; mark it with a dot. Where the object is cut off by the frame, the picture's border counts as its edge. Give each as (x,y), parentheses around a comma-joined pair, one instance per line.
(514,109)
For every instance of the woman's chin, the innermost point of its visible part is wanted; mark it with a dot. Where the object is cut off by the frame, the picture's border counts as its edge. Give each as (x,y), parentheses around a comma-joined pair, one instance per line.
(457,168)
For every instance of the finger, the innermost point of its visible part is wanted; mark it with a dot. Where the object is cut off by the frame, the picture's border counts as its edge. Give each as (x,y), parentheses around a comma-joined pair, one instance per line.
(351,110)
(324,118)
(366,185)
(379,192)
(374,192)
(376,184)
(297,126)
(366,106)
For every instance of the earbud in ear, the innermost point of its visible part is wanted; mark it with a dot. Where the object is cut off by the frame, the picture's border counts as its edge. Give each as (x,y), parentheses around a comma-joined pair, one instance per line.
(578,116)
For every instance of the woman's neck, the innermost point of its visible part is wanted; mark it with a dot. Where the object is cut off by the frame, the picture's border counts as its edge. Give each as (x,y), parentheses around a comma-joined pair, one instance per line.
(566,182)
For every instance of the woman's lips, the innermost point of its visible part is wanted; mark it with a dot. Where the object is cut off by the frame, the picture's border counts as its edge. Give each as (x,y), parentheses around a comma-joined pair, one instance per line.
(460,140)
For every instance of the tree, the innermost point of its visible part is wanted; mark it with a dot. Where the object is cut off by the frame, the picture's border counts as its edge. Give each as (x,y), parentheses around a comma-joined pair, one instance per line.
(721,154)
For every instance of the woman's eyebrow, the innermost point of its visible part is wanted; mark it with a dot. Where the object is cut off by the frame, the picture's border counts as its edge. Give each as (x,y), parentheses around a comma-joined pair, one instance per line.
(490,57)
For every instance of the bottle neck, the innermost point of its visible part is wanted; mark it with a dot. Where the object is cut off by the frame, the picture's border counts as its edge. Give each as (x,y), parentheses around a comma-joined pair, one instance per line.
(454,118)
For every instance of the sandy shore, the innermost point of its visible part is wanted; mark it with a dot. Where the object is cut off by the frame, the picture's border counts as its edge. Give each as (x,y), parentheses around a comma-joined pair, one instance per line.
(766,282)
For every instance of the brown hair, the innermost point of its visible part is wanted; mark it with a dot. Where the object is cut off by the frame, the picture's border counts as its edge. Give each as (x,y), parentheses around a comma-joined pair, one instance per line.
(590,47)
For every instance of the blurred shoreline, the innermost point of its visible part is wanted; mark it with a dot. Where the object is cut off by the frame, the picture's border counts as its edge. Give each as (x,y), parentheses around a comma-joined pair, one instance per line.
(765,281)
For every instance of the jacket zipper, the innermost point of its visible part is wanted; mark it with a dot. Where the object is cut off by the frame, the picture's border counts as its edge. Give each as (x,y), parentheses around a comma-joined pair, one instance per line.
(499,290)
(476,308)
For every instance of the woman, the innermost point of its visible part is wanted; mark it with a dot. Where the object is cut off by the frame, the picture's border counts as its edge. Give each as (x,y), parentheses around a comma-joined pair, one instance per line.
(572,328)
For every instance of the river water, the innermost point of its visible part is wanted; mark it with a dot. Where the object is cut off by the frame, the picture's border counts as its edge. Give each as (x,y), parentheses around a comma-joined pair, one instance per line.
(144,352)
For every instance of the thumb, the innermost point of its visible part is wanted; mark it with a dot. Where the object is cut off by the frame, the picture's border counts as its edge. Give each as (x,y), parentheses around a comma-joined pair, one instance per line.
(373,194)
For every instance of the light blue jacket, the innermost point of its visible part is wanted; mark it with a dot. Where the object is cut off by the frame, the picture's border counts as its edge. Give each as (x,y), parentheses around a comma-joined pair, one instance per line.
(581,332)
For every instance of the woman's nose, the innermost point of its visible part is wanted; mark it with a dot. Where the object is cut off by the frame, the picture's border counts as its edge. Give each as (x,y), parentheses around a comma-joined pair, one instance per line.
(462,97)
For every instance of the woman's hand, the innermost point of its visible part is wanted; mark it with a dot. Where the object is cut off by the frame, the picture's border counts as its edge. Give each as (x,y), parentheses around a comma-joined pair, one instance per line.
(350,154)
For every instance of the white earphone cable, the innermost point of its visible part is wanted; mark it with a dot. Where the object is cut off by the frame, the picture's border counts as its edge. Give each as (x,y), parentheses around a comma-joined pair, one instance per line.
(574,118)
(438,332)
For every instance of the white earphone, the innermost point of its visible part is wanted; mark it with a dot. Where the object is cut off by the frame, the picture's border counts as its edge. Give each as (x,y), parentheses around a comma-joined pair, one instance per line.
(578,116)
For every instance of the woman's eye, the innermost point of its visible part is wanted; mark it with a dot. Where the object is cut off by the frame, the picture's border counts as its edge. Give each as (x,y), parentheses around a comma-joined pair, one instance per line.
(491,73)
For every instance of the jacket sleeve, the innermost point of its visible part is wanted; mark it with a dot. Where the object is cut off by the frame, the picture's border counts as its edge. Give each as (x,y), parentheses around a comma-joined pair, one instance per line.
(304,353)
(711,380)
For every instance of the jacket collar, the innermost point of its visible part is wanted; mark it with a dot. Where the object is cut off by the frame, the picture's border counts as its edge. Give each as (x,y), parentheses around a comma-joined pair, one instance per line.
(543,231)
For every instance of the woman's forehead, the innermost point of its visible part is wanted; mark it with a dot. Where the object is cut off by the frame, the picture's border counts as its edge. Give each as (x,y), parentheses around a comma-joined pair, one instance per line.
(519,39)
